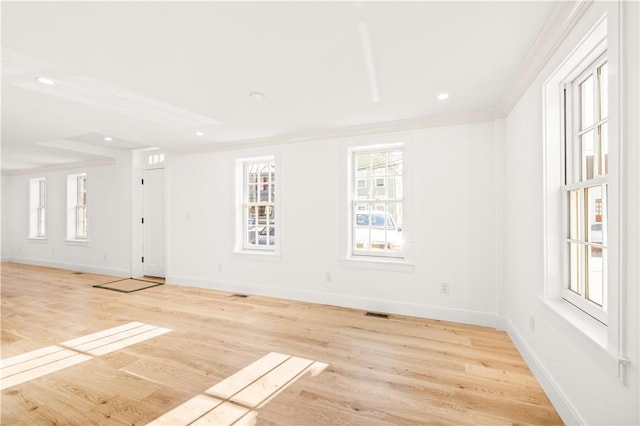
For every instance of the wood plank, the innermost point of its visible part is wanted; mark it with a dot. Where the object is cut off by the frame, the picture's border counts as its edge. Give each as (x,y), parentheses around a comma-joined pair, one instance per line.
(129,341)
(61,353)
(314,369)
(38,372)
(102,334)
(187,412)
(245,377)
(224,414)
(28,356)
(106,340)
(269,384)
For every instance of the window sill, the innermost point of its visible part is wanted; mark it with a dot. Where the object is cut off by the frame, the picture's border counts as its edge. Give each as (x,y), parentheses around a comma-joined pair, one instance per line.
(38,239)
(383,263)
(588,327)
(258,255)
(591,330)
(73,242)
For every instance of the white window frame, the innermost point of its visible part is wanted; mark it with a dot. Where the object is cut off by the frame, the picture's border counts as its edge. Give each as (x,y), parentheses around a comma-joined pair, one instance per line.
(77,208)
(247,204)
(38,208)
(355,183)
(603,36)
(577,183)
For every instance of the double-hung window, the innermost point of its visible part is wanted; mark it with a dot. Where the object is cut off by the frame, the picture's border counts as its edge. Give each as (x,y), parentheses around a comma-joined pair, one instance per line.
(37,207)
(259,224)
(586,188)
(77,206)
(377,201)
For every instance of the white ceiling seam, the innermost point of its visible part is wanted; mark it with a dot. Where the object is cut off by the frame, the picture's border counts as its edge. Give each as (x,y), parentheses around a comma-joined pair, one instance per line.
(365,41)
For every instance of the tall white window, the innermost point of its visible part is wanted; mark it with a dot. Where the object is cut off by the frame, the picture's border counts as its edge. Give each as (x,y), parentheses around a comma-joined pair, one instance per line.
(377,202)
(259,223)
(586,188)
(77,206)
(37,207)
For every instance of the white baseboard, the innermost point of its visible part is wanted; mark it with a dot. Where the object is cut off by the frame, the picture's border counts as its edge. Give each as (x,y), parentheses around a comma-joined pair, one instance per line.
(502,323)
(72,266)
(347,301)
(563,406)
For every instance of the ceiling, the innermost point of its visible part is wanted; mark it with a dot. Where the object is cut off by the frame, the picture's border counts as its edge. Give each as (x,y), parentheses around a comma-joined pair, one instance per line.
(155,73)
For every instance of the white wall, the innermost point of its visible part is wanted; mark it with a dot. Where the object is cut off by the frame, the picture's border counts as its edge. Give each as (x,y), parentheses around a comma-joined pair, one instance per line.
(580,377)
(6,214)
(109,205)
(449,224)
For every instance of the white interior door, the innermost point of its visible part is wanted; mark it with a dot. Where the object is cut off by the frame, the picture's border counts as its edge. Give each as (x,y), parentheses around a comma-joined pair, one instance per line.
(153,223)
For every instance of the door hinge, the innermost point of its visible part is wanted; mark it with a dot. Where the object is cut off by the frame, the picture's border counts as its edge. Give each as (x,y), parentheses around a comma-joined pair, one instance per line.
(142,183)
(143,220)
(142,259)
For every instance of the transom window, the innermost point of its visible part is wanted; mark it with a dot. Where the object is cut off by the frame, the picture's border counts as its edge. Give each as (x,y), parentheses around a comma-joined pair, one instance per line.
(377,202)
(586,188)
(259,206)
(37,207)
(155,158)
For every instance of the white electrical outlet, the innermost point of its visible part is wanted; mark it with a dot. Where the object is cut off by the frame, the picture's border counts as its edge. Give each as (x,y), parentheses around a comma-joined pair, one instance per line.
(444,288)
(532,322)
(328,277)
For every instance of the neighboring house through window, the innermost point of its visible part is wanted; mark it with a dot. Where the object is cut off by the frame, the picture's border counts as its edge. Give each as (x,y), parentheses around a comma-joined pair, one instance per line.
(377,201)
(259,208)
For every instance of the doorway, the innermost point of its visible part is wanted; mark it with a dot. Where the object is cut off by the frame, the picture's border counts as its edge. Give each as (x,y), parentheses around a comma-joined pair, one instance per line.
(153,223)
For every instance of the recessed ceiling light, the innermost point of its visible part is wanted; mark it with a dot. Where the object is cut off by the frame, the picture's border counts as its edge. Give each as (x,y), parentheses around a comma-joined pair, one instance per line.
(46,81)
(257,96)
(443,96)
(108,138)
(199,133)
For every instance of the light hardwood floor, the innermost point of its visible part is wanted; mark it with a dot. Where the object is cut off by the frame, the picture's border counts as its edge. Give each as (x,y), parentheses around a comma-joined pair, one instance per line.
(394,371)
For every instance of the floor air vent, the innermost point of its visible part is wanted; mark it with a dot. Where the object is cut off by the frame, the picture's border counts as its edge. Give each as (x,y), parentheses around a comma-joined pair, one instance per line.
(242,296)
(377,315)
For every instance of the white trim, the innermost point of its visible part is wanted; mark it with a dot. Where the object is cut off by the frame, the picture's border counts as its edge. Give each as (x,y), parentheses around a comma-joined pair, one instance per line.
(485,319)
(380,128)
(560,401)
(559,24)
(63,166)
(76,242)
(618,347)
(38,239)
(79,267)
(382,263)
(258,255)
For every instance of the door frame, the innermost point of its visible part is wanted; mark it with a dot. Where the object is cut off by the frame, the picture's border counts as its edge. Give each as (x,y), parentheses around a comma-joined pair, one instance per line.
(137,202)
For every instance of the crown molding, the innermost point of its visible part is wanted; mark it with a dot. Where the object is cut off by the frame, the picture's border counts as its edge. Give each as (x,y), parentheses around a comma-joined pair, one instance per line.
(560,22)
(57,167)
(396,126)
